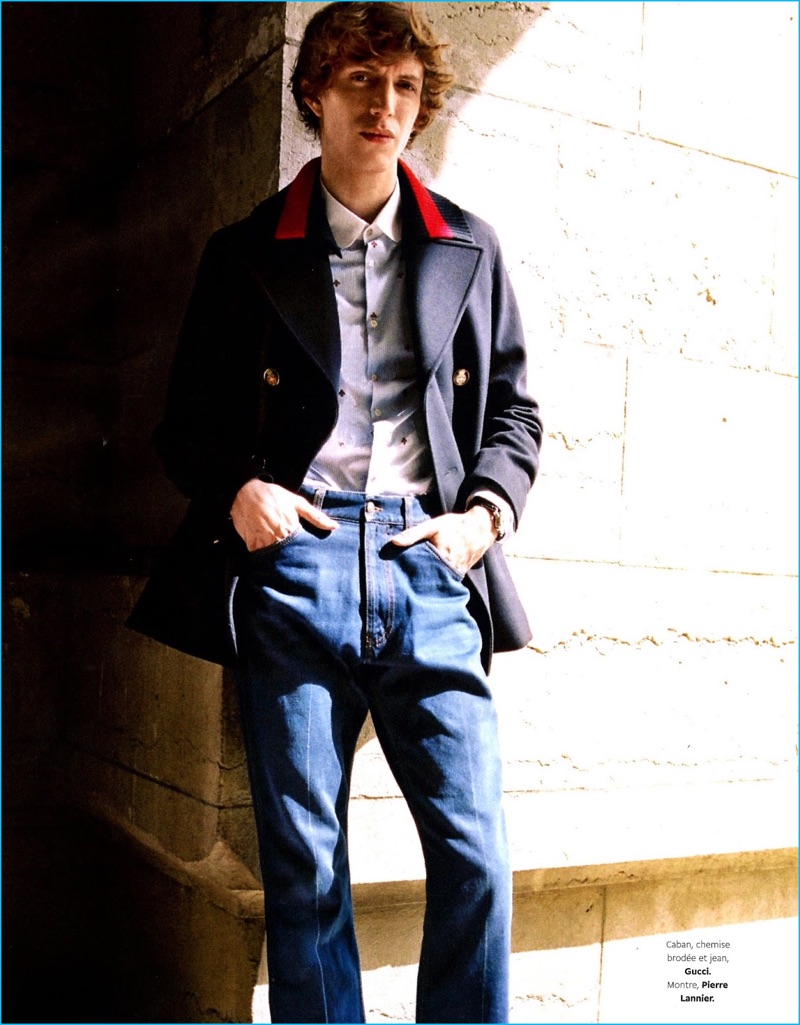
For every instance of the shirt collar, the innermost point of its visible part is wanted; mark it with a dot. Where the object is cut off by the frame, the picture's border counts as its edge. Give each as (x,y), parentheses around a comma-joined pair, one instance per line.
(348,227)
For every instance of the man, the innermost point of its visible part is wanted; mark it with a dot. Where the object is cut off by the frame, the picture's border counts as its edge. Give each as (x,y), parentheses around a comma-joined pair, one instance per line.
(348,397)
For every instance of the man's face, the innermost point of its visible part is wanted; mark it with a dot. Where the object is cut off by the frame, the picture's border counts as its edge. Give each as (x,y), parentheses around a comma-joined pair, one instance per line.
(367,113)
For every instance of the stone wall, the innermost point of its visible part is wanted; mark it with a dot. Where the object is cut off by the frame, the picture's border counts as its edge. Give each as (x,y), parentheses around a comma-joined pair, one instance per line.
(639,164)
(133,132)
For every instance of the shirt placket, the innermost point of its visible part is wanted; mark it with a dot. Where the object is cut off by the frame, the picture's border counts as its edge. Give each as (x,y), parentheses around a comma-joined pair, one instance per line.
(376,370)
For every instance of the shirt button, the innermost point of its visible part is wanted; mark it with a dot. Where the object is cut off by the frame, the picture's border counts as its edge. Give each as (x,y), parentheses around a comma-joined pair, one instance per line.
(378,413)
(373,320)
(373,377)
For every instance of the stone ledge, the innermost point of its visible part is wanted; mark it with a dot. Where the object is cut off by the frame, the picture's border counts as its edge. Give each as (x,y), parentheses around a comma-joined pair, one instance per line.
(583,838)
(226,882)
(373,896)
(575,837)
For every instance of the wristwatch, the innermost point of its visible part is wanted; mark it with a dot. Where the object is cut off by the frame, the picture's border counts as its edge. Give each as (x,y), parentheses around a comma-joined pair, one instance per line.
(496,514)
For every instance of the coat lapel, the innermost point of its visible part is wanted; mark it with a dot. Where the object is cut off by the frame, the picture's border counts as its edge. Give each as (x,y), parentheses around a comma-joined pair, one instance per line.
(300,288)
(441,260)
(291,261)
(440,276)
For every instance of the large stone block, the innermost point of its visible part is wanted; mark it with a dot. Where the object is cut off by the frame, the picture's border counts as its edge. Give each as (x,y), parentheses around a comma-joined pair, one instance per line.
(581,837)
(710,479)
(608,715)
(572,603)
(737,68)
(138,703)
(177,822)
(59,267)
(574,511)
(783,359)
(192,55)
(571,57)
(659,246)
(59,419)
(35,645)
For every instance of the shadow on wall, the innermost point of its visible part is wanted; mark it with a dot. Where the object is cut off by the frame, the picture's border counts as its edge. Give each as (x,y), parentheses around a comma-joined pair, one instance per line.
(134,131)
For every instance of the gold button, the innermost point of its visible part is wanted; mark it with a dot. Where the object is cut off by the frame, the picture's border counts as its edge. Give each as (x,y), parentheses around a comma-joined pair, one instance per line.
(460,377)
(272,377)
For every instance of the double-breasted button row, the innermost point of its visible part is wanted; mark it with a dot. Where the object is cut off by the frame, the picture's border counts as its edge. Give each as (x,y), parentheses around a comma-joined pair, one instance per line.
(272,378)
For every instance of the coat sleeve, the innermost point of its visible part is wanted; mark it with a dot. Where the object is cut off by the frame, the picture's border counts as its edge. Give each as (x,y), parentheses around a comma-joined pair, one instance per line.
(507,460)
(205,437)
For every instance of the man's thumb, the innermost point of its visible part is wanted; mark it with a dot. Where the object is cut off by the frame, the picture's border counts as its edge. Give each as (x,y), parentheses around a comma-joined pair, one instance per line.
(411,535)
(308,512)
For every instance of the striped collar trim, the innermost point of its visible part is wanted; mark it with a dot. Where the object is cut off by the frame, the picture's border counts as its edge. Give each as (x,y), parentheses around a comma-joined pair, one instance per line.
(439,218)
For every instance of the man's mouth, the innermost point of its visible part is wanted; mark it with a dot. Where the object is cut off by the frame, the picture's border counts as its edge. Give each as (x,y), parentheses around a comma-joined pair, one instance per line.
(374,135)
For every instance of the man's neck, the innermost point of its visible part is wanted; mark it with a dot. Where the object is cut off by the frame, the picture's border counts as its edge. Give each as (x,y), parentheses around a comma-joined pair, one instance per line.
(364,195)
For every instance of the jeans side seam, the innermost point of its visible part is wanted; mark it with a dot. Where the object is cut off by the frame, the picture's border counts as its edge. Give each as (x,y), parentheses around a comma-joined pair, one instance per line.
(316,860)
(479,830)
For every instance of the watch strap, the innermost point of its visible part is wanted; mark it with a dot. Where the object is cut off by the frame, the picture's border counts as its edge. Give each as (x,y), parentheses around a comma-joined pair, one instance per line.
(495,511)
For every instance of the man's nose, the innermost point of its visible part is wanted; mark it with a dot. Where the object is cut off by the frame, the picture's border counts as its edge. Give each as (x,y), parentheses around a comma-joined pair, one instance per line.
(382,98)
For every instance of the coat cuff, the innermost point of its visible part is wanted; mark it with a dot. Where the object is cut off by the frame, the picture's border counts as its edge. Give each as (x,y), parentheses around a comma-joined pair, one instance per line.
(506,512)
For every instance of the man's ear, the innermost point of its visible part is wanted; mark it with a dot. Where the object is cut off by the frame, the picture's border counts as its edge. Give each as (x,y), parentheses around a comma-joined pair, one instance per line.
(313,105)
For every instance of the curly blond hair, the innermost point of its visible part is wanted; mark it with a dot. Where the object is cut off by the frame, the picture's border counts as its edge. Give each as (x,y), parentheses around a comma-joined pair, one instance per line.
(369,31)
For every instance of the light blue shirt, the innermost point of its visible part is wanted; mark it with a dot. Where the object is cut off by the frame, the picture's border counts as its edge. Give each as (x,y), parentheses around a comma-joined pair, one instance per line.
(379,444)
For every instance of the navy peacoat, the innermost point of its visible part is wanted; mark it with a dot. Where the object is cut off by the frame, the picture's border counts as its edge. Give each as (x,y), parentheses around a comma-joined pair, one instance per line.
(253,393)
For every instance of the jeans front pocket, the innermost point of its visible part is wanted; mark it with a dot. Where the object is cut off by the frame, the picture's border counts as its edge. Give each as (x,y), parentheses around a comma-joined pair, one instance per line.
(258,553)
(431,547)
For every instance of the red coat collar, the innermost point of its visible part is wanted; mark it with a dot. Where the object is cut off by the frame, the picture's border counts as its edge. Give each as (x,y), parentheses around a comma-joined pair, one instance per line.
(439,218)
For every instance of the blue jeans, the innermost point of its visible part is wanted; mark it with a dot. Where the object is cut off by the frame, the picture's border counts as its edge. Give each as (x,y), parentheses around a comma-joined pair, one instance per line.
(331,626)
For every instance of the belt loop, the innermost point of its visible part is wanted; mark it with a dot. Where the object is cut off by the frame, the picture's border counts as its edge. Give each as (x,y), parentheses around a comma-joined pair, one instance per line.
(319,497)
(408,511)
